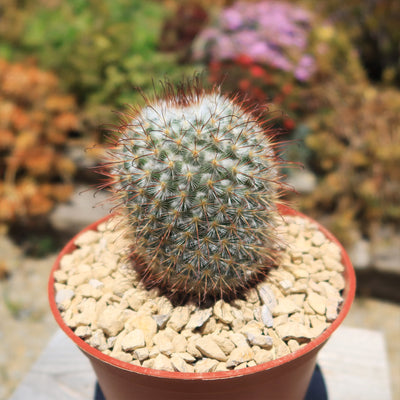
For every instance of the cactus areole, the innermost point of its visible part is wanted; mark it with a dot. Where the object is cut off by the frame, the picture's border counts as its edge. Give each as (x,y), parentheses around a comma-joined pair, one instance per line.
(197,177)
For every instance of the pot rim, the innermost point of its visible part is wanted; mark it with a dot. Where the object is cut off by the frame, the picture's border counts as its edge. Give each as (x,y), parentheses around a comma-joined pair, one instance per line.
(348,294)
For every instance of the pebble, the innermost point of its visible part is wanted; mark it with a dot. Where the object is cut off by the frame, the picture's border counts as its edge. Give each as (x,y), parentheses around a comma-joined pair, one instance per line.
(260,340)
(297,317)
(185,356)
(224,343)
(164,306)
(318,238)
(332,264)
(252,296)
(180,365)
(122,356)
(145,323)
(298,299)
(98,340)
(121,285)
(209,348)
(135,298)
(293,330)
(321,276)
(63,298)
(285,306)
(280,319)
(79,279)
(86,238)
(102,300)
(133,340)
(87,315)
(267,295)
(280,347)
(161,320)
(163,343)
(141,353)
(83,332)
(239,355)
(263,356)
(332,310)
(162,362)
(300,273)
(222,312)
(205,365)
(238,339)
(149,363)
(317,303)
(199,318)
(221,367)
(60,276)
(285,285)
(99,271)
(87,290)
(179,343)
(265,316)
(330,292)
(154,352)
(193,350)
(209,326)
(179,318)
(238,319)
(111,320)
(337,281)
(293,345)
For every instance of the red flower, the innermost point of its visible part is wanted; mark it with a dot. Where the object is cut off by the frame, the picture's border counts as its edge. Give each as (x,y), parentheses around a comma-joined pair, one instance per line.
(288,123)
(287,88)
(244,84)
(244,59)
(257,71)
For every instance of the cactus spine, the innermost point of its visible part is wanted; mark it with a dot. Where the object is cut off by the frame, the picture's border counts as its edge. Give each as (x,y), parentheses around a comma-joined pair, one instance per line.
(198,179)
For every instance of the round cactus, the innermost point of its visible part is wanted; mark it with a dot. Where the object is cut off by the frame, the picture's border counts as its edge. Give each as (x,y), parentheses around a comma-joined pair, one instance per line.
(198,178)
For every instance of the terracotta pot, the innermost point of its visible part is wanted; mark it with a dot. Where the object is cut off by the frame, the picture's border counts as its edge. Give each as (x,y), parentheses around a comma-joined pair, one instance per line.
(286,378)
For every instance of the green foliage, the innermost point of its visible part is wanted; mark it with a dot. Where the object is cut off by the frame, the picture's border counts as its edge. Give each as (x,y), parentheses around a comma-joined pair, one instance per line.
(100,49)
(198,177)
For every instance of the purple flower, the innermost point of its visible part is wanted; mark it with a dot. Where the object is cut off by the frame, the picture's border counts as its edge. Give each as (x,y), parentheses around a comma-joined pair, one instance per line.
(231,19)
(258,51)
(270,32)
(305,68)
(244,38)
(225,49)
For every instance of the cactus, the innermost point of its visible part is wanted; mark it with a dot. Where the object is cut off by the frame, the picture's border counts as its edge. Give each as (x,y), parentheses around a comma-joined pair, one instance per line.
(197,176)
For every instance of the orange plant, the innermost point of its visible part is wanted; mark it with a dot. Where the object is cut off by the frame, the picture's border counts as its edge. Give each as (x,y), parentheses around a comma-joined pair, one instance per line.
(35,121)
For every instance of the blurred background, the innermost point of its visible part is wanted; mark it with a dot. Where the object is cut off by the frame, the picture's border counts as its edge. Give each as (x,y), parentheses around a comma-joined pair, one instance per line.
(329,72)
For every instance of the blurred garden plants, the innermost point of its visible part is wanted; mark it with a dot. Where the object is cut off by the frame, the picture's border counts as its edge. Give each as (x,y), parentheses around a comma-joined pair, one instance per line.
(36,119)
(329,72)
(100,49)
(299,62)
(261,51)
(98,52)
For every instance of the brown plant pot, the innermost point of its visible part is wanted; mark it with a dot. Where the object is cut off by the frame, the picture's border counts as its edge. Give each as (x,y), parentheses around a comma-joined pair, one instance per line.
(286,378)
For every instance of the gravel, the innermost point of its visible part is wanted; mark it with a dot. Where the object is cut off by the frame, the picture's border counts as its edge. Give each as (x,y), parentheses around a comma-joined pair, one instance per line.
(100,296)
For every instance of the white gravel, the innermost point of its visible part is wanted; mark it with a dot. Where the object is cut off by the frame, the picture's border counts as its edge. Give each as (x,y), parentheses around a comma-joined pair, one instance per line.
(100,296)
